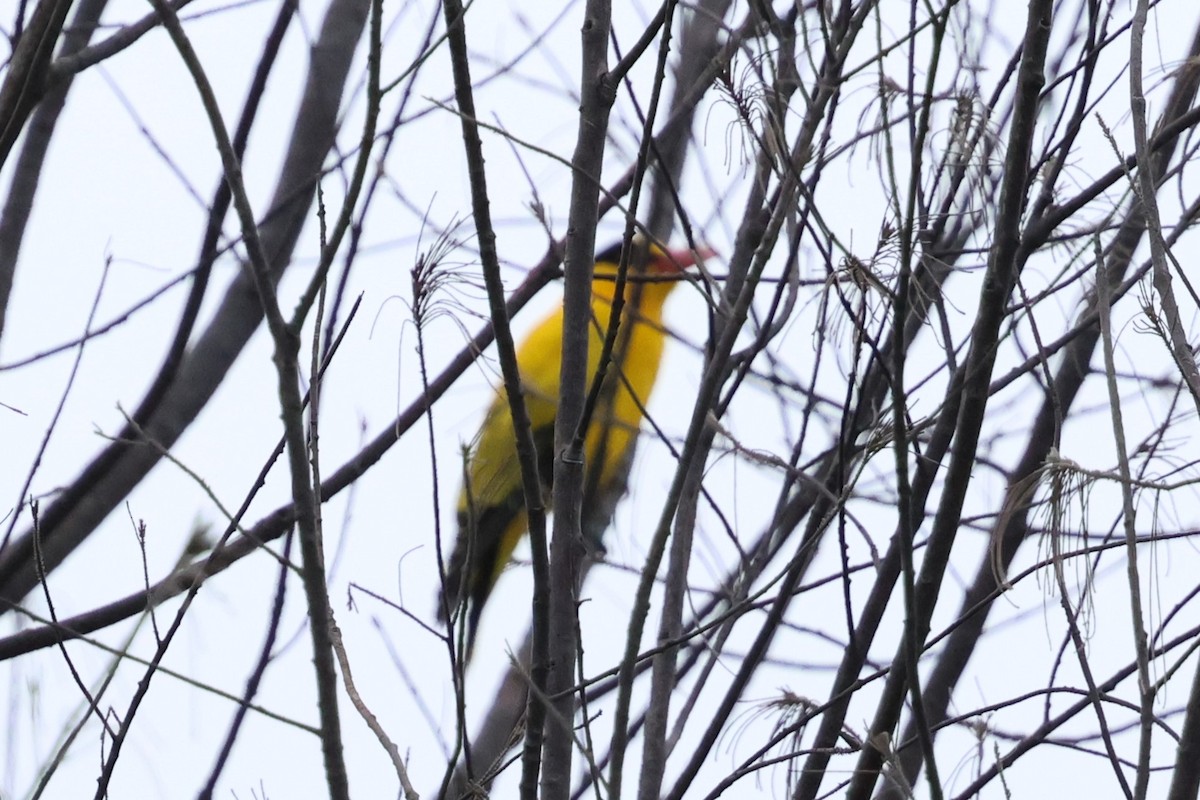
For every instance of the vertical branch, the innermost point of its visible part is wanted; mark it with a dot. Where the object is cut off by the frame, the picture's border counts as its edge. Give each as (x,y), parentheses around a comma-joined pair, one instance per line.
(1181,350)
(697,43)
(506,349)
(1011,526)
(761,226)
(597,93)
(908,517)
(42,124)
(286,338)
(698,47)
(28,69)
(1004,263)
(1185,777)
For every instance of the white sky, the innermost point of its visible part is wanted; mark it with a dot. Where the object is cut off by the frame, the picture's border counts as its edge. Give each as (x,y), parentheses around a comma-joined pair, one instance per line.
(107,194)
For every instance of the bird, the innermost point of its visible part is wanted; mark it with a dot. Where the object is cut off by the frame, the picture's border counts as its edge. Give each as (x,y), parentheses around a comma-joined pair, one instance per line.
(491,505)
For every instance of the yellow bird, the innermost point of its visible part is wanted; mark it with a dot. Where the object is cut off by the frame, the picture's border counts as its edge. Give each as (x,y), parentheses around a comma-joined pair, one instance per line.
(491,506)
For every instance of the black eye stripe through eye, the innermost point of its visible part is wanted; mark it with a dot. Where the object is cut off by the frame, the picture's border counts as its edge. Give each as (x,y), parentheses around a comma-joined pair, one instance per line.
(611,254)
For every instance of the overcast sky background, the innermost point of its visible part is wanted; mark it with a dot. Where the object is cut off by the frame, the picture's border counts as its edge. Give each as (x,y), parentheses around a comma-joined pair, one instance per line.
(130,171)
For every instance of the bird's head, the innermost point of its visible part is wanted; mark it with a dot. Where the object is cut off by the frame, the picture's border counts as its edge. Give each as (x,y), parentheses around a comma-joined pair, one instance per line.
(653,271)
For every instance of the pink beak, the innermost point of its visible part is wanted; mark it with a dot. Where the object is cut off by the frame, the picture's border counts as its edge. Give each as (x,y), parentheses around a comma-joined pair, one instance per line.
(680,259)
